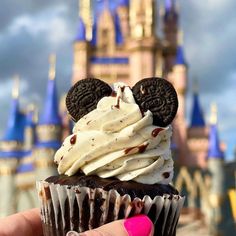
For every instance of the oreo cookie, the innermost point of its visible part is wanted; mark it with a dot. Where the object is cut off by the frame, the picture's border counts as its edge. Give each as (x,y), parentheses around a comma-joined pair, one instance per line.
(84,96)
(159,96)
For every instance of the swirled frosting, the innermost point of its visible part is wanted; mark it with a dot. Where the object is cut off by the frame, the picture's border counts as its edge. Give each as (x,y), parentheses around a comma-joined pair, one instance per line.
(117,140)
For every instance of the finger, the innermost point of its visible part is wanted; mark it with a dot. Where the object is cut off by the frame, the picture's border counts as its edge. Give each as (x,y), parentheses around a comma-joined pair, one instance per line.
(21,224)
(139,225)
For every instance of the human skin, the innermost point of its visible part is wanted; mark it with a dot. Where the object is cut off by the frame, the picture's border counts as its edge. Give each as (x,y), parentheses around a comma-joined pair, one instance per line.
(29,223)
(22,224)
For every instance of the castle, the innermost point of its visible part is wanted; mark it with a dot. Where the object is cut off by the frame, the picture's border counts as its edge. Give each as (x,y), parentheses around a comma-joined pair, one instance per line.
(118,41)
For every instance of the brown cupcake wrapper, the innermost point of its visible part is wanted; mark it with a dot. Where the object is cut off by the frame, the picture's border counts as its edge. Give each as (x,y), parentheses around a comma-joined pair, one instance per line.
(65,208)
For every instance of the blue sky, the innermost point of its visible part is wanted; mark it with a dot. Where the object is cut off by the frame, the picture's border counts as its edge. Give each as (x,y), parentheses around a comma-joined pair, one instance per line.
(31,30)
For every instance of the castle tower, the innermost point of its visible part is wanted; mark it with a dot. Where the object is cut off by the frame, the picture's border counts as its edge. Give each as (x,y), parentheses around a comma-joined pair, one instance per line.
(216,168)
(178,77)
(48,130)
(81,53)
(197,135)
(11,151)
(143,42)
(170,28)
(29,132)
(102,54)
(106,34)
(25,176)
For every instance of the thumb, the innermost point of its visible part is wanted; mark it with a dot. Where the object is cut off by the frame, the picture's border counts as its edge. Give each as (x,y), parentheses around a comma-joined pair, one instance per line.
(139,225)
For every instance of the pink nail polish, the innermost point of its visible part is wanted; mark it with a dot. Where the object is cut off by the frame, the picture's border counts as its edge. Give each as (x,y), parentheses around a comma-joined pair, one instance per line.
(139,225)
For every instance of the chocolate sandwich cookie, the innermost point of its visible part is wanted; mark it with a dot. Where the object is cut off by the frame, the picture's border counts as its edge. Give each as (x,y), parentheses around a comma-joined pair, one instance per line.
(159,96)
(84,96)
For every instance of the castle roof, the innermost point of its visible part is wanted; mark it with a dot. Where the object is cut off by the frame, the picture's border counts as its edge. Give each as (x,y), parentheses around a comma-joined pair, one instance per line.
(197,119)
(180,60)
(15,128)
(98,9)
(16,123)
(81,31)
(50,114)
(214,150)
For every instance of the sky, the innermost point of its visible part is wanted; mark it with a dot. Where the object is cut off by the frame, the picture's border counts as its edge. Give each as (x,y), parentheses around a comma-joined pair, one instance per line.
(30,30)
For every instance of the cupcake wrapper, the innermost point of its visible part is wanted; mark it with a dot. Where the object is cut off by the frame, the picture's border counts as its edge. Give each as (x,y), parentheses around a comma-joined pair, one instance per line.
(65,208)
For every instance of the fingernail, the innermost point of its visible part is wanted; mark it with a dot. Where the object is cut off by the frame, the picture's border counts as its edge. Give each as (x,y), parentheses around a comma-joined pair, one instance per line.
(73,233)
(139,225)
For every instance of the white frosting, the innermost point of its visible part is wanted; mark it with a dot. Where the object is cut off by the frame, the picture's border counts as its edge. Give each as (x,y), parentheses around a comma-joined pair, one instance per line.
(116,140)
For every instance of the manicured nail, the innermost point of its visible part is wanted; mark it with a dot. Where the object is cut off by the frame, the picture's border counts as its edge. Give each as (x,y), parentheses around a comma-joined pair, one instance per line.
(73,233)
(139,225)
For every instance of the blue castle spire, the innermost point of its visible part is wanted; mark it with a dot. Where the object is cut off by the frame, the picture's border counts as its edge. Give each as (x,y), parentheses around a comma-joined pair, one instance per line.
(81,31)
(197,119)
(16,123)
(50,114)
(15,126)
(214,150)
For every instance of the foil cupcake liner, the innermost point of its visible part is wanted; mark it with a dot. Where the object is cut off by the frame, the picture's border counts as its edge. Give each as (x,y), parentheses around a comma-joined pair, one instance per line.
(64,208)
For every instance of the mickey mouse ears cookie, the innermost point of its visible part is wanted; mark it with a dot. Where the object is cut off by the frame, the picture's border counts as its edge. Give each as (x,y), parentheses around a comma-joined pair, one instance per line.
(159,96)
(84,96)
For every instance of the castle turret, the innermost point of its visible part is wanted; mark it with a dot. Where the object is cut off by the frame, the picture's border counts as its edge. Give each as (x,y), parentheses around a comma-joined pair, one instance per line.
(197,119)
(48,130)
(170,22)
(143,42)
(170,28)
(178,77)
(81,44)
(25,183)
(11,151)
(197,135)
(216,168)
(29,132)
(25,175)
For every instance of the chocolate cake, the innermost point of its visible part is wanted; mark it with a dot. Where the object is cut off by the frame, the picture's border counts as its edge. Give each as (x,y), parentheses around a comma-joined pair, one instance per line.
(132,188)
(117,163)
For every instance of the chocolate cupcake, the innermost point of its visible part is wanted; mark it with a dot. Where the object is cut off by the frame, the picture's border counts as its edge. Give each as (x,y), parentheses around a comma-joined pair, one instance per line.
(116,164)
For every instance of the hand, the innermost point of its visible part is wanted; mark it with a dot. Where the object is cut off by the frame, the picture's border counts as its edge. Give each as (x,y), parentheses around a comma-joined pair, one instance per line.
(139,225)
(29,223)
(22,224)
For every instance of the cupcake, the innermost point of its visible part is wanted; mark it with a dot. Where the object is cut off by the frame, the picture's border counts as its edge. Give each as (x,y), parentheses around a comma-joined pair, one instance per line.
(117,162)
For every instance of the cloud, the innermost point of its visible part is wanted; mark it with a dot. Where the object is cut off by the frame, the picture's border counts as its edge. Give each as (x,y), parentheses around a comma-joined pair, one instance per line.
(209,39)
(49,23)
(25,44)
